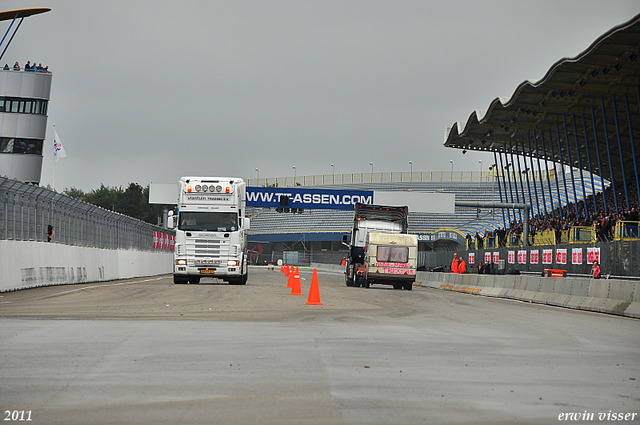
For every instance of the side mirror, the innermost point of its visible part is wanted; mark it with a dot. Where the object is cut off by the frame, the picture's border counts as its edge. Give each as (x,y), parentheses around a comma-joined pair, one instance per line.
(345,238)
(246,223)
(170,221)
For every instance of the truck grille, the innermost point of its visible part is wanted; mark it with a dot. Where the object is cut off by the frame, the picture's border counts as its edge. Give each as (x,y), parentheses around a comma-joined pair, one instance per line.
(206,248)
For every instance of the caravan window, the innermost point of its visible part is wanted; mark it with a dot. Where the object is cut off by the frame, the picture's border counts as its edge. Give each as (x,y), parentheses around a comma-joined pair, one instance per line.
(393,254)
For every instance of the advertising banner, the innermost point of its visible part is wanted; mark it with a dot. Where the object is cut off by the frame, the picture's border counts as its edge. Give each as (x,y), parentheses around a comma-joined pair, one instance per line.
(306,198)
(163,241)
(534,256)
(593,254)
(561,256)
(522,257)
(576,256)
(547,256)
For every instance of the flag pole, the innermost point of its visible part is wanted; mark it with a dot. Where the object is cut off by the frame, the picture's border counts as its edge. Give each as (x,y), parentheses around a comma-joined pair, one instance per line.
(53,183)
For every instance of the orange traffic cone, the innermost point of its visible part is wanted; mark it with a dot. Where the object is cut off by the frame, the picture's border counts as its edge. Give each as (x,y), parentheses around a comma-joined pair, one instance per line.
(296,289)
(290,280)
(314,291)
(286,270)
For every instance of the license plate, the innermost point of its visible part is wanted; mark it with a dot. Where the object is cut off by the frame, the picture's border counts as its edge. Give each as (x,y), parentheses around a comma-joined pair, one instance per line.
(207,271)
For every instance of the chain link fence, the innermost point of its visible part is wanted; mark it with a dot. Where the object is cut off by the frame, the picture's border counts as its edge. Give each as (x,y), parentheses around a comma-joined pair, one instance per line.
(617,259)
(262,254)
(27,211)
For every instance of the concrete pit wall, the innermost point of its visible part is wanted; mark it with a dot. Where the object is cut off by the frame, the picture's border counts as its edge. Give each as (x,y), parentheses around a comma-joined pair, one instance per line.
(28,264)
(613,296)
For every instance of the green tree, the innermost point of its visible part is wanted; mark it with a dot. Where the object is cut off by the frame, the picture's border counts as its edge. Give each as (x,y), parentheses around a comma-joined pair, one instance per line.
(105,197)
(132,201)
(75,193)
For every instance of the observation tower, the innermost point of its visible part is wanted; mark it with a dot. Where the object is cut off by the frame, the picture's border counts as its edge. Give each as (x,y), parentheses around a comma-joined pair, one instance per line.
(24,100)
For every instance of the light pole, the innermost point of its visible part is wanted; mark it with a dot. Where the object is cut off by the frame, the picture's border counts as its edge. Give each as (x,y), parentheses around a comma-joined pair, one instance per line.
(257,176)
(371,163)
(410,171)
(480,162)
(451,162)
(294,174)
(333,172)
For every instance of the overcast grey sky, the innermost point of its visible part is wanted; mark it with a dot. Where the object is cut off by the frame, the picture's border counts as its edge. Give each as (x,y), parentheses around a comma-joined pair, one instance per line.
(148,91)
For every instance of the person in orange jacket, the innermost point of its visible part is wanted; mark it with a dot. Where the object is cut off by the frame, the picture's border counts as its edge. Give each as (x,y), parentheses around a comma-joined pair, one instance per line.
(462,266)
(455,263)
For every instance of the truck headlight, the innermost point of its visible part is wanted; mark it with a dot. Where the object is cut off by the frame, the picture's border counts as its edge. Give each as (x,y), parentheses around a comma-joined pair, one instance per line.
(181,262)
(233,263)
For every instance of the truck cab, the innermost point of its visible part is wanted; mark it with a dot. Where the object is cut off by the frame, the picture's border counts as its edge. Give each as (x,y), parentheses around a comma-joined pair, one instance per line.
(372,219)
(211,228)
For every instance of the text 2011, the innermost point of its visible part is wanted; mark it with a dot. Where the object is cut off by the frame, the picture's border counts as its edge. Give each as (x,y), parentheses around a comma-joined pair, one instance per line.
(17,415)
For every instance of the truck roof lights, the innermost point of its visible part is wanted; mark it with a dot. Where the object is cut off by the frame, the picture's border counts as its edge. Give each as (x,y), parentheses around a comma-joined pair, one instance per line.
(200,186)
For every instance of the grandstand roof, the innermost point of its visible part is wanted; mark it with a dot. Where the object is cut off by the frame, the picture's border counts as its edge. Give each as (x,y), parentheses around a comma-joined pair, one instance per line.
(22,13)
(573,94)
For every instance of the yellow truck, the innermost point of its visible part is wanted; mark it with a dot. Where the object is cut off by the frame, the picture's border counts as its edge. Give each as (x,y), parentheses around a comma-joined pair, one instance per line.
(391,259)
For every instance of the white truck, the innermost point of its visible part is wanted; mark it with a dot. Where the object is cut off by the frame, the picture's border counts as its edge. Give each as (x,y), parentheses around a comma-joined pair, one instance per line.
(380,250)
(211,230)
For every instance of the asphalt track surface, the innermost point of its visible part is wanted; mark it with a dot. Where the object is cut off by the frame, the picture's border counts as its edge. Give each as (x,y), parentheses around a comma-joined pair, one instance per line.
(146,351)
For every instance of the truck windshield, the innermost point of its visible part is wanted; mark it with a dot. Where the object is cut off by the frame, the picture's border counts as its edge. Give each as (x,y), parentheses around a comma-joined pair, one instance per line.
(393,254)
(208,221)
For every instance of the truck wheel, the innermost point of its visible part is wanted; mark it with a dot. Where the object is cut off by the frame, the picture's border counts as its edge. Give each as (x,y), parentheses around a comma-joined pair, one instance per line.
(408,286)
(365,283)
(397,286)
(179,280)
(356,282)
(194,280)
(242,280)
(348,278)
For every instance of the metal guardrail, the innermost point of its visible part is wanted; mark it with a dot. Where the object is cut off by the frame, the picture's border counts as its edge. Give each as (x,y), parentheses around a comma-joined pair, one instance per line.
(390,177)
(26,211)
(623,231)
(617,258)
(545,237)
(627,231)
(411,177)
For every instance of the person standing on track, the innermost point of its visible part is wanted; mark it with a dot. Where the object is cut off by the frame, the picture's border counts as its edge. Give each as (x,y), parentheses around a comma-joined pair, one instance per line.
(455,263)
(462,266)
(595,270)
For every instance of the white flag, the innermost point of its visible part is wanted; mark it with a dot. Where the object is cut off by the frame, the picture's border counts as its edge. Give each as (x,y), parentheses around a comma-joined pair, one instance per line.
(58,149)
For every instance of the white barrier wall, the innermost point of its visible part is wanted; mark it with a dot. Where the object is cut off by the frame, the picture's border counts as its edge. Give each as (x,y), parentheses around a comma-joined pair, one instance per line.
(614,296)
(621,297)
(27,264)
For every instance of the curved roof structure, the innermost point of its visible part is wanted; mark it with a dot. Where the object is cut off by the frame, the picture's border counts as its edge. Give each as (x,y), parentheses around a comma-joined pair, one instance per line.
(587,106)
(22,13)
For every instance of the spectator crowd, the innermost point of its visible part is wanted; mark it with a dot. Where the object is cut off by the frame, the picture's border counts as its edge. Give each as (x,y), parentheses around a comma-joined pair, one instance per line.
(604,222)
(27,67)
